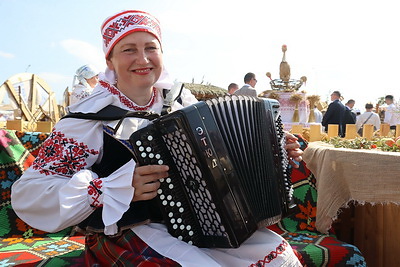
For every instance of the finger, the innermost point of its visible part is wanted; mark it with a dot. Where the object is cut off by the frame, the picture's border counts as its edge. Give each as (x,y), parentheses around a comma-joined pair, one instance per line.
(295,145)
(150,187)
(139,179)
(149,169)
(298,159)
(146,191)
(295,153)
(290,137)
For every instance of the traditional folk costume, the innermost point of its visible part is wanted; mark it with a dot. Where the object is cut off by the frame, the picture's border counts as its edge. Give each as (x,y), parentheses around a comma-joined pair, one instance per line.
(83,176)
(82,89)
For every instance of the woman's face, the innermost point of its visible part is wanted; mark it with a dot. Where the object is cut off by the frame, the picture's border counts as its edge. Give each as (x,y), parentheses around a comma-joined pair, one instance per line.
(137,62)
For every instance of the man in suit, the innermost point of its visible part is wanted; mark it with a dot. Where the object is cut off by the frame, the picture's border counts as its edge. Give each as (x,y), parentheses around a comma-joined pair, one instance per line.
(335,113)
(349,115)
(248,89)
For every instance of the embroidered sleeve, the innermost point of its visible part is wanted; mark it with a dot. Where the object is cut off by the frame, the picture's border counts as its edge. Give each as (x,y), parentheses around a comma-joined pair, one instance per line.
(60,176)
(62,156)
(95,193)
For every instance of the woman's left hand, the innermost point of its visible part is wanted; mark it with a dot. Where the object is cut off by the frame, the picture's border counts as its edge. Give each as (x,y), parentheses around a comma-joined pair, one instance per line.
(293,149)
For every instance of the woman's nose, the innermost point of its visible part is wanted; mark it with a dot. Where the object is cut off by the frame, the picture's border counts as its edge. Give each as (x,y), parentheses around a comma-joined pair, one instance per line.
(142,58)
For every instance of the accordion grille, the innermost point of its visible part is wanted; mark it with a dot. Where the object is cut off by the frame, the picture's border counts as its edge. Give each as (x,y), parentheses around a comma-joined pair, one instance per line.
(249,132)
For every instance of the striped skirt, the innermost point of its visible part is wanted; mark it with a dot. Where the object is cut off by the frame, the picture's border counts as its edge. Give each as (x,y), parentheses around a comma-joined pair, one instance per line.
(125,250)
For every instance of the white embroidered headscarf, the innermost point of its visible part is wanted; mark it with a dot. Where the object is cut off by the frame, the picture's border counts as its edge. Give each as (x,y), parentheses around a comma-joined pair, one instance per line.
(83,73)
(116,27)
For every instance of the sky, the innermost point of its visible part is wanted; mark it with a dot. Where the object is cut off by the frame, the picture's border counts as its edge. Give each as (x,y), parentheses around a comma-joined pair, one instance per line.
(351,46)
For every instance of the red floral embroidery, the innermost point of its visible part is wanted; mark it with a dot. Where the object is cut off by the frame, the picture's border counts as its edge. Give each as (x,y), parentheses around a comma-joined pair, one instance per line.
(60,155)
(94,191)
(120,24)
(272,255)
(126,101)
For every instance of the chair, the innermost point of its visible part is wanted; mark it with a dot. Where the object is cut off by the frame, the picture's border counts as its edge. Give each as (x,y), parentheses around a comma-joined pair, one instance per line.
(21,244)
(315,248)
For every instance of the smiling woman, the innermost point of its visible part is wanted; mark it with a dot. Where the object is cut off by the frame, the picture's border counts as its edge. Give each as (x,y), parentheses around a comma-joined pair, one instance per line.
(86,175)
(137,60)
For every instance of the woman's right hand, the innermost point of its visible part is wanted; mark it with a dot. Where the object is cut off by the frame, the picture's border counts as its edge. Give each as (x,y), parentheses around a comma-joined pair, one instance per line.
(146,181)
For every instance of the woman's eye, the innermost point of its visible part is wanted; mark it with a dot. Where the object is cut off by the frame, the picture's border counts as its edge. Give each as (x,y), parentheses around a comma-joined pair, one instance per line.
(129,50)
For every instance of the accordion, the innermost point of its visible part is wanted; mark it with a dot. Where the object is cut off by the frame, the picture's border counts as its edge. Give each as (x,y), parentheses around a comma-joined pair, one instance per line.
(228,171)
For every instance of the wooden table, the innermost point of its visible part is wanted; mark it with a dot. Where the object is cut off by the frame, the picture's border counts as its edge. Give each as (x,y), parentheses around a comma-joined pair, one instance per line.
(361,176)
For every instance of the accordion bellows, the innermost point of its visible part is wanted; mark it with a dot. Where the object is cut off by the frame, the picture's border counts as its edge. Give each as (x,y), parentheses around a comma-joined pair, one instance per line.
(228,169)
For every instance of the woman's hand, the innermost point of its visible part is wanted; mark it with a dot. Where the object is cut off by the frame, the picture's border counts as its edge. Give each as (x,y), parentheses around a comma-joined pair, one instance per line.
(145,181)
(293,149)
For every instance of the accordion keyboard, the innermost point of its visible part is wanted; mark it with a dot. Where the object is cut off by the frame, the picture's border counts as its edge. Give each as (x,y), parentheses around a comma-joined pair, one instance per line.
(170,193)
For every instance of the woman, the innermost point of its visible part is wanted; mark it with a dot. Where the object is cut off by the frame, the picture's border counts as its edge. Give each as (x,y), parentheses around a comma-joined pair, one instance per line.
(75,187)
(87,77)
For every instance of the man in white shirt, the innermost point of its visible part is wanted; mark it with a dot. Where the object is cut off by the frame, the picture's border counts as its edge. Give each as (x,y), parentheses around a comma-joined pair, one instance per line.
(368,117)
(392,113)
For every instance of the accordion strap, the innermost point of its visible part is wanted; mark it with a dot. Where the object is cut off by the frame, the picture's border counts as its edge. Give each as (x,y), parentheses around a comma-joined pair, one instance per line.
(111,113)
(170,96)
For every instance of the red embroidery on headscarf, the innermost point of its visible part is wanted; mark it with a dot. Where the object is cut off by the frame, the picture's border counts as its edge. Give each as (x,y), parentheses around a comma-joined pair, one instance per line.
(121,23)
(126,101)
(63,156)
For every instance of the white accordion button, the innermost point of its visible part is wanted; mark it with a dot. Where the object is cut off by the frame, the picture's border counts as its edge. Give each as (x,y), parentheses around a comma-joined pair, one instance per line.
(150,138)
(138,143)
(143,155)
(148,149)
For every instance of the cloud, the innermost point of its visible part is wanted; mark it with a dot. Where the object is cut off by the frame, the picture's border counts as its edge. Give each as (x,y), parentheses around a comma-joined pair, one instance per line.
(55,77)
(85,52)
(57,82)
(6,55)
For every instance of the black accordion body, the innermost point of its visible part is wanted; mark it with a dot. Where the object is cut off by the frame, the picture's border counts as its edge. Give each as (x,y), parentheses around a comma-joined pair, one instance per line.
(228,169)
